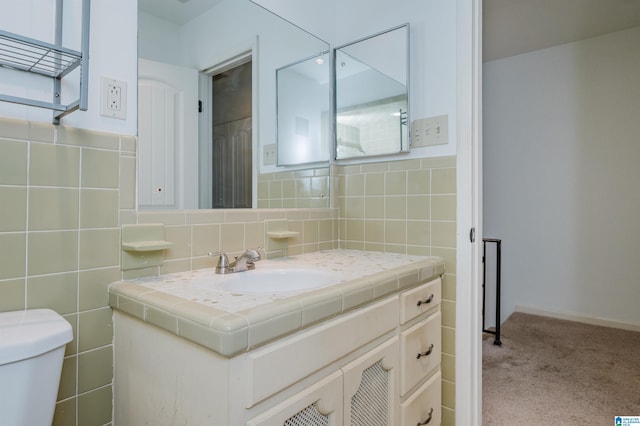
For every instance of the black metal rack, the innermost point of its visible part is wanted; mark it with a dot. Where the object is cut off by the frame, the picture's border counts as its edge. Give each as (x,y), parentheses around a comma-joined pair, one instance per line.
(484,278)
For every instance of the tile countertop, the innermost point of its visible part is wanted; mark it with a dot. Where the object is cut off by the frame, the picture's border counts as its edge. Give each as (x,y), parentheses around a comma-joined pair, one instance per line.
(231,323)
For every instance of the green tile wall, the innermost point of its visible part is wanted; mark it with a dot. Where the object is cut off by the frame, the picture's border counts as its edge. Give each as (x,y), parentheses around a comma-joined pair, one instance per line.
(196,233)
(407,207)
(59,247)
(294,189)
(69,190)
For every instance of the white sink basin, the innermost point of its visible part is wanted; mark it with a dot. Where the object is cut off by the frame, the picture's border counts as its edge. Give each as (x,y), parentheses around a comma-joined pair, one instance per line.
(272,280)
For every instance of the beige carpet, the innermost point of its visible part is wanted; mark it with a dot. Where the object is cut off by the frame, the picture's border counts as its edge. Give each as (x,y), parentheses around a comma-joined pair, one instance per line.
(555,372)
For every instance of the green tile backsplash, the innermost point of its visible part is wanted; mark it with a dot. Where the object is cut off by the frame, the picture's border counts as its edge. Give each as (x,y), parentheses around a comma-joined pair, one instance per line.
(409,207)
(295,189)
(69,190)
(59,241)
(13,162)
(14,208)
(53,208)
(54,165)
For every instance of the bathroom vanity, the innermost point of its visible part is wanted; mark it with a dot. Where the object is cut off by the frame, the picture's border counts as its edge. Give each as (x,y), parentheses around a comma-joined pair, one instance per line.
(361,351)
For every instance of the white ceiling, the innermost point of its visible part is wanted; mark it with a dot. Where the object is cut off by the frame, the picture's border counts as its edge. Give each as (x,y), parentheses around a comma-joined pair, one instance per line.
(176,11)
(512,27)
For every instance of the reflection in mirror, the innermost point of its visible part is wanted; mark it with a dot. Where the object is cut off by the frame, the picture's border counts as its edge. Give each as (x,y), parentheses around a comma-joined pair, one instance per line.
(231,165)
(303,112)
(182,46)
(305,188)
(371,95)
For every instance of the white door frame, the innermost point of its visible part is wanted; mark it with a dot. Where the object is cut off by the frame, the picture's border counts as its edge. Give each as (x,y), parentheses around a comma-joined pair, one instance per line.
(243,53)
(469,213)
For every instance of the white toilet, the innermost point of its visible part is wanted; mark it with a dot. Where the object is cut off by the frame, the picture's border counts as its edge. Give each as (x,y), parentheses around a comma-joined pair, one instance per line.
(32,346)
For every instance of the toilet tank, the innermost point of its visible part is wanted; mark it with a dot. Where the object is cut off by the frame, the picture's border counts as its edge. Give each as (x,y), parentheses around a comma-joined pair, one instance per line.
(32,344)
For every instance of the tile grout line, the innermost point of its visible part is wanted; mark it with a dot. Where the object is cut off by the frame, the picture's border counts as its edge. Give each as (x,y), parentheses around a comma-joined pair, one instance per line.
(26,234)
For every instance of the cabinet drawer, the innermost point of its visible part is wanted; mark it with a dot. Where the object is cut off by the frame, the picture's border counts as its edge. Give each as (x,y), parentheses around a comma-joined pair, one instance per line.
(277,366)
(420,348)
(420,299)
(424,406)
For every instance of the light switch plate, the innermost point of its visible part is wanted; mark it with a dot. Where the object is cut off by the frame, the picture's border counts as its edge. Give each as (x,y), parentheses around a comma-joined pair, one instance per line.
(430,131)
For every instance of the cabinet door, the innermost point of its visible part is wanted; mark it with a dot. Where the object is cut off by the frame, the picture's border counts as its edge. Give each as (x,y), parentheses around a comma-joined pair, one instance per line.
(371,387)
(318,405)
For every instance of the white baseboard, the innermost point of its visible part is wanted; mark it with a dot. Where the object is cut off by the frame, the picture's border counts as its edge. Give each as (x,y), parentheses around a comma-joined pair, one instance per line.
(577,318)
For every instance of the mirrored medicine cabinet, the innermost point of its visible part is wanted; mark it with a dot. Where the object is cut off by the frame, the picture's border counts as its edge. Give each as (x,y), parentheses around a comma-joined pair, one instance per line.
(372,95)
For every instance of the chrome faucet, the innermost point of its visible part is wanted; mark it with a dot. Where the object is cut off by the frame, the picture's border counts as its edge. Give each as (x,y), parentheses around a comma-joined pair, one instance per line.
(244,262)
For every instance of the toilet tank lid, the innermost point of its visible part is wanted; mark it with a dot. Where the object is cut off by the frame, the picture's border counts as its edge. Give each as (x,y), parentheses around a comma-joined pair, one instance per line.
(25,334)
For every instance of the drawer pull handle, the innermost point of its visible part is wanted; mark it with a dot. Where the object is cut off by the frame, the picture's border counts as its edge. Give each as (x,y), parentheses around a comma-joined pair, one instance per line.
(422,423)
(427,353)
(426,301)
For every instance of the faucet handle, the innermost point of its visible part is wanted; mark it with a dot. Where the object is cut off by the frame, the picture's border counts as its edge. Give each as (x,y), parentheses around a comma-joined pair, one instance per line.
(223,262)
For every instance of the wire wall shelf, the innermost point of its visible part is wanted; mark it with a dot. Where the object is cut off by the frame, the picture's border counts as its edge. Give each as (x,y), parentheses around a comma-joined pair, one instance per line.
(50,60)
(26,54)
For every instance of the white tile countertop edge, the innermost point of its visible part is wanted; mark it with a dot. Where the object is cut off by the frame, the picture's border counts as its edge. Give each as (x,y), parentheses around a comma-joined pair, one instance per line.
(230,323)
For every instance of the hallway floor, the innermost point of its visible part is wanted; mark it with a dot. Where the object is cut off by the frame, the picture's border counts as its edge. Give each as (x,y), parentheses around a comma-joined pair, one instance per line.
(556,372)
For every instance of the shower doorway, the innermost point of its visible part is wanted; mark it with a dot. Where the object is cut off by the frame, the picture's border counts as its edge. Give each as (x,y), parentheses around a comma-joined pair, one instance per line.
(227,116)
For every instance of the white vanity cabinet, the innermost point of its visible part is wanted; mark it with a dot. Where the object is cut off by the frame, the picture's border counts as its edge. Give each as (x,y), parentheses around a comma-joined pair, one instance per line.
(420,355)
(378,365)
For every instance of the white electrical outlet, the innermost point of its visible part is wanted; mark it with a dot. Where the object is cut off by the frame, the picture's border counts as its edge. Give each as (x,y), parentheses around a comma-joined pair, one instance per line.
(430,131)
(113,102)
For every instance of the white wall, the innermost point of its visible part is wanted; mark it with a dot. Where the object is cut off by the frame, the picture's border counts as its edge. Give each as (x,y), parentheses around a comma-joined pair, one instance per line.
(112,54)
(561,174)
(158,40)
(315,17)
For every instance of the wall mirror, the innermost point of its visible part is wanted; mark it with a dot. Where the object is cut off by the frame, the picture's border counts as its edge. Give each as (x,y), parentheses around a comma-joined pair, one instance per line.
(207,106)
(303,93)
(372,95)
